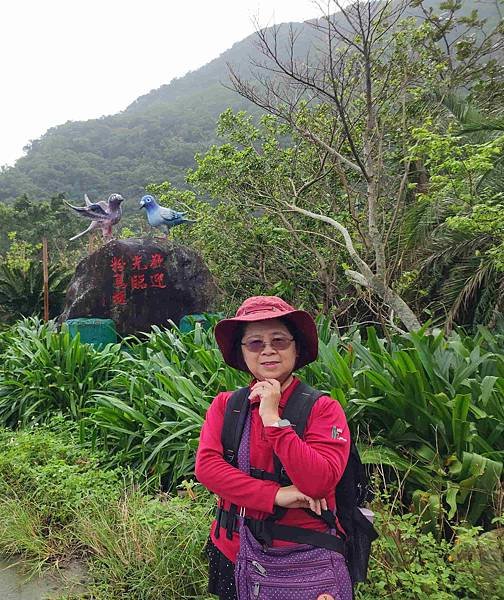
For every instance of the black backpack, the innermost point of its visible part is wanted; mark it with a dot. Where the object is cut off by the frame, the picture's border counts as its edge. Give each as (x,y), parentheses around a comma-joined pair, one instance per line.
(352,490)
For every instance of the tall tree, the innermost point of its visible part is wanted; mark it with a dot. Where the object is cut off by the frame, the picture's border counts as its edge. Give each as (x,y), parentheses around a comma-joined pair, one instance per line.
(354,99)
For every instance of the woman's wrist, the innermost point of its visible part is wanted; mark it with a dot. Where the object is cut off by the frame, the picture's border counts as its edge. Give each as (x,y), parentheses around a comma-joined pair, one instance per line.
(270,419)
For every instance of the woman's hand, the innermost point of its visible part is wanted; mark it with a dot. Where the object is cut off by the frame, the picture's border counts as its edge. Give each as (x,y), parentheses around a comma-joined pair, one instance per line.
(269,392)
(290,497)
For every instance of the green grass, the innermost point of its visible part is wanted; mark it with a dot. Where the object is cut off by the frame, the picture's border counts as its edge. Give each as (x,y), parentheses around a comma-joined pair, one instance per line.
(429,407)
(145,547)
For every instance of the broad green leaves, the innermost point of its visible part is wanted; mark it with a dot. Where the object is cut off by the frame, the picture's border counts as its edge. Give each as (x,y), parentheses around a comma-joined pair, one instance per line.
(427,409)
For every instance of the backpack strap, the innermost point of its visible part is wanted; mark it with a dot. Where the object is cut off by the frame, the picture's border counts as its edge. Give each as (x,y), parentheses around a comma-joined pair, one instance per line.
(297,411)
(237,408)
(299,406)
(235,415)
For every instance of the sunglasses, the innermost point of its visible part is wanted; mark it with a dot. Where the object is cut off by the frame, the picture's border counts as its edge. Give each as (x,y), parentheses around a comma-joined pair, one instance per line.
(277,343)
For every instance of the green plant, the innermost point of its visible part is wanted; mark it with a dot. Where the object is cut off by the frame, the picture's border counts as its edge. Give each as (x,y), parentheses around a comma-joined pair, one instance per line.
(45,371)
(408,563)
(22,289)
(149,548)
(428,406)
(45,480)
(151,416)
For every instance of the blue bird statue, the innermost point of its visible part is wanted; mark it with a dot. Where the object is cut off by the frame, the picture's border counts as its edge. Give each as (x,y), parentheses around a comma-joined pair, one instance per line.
(103,214)
(159,216)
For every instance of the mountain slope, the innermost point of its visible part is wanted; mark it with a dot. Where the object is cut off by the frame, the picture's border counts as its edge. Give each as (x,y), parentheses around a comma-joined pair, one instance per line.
(154,139)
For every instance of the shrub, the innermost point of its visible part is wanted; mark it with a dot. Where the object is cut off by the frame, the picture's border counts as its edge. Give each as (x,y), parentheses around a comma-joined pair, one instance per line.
(151,416)
(45,480)
(431,407)
(428,406)
(45,372)
(408,563)
(149,548)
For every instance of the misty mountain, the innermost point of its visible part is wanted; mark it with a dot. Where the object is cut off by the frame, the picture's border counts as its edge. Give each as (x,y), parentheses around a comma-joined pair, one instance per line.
(152,140)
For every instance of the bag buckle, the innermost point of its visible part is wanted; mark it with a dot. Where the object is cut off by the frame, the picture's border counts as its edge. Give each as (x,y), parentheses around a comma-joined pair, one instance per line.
(229,455)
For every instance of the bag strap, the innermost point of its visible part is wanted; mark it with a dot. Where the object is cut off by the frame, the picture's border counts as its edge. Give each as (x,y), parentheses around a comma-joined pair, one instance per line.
(237,408)
(266,531)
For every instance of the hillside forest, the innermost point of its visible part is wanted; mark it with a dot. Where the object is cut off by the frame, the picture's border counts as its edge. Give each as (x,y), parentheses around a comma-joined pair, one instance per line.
(352,165)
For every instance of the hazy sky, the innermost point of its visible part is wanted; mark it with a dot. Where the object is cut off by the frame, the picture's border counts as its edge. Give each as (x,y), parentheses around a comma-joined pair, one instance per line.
(67,60)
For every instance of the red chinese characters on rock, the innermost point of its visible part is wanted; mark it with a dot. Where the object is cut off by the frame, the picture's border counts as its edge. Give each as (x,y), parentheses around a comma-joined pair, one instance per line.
(137,263)
(157,280)
(119,297)
(137,280)
(119,282)
(117,264)
(157,261)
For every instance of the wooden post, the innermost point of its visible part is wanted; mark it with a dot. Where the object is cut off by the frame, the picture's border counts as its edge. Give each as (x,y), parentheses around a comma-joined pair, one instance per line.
(45,270)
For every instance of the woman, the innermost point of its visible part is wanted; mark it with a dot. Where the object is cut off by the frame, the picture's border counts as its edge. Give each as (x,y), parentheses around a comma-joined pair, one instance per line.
(270,339)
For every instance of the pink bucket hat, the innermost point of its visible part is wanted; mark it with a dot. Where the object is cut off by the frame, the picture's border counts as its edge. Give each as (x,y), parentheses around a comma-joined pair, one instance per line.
(261,308)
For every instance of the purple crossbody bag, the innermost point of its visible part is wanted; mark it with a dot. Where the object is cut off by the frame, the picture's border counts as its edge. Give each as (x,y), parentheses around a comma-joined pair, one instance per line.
(301,572)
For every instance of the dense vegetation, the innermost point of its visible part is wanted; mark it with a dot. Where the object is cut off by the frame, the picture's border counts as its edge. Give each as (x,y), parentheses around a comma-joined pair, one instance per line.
(94,427)
(364,184)
(427,407)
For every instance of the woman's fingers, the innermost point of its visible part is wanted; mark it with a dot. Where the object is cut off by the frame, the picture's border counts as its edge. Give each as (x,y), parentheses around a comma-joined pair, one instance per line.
(291,497)
(315,506)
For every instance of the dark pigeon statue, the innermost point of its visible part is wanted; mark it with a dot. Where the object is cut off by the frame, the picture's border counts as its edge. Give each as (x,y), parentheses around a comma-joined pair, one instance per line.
(103,214)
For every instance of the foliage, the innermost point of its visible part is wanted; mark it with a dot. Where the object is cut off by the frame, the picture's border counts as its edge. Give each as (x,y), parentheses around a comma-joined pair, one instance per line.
(409,564)
(28,221)
(253,247)
(45,480)
(58,503)
(449,236)
(45,372)
(432,409)
(250,253)
(152,421)
(428,406)
(149,548)
(22,290)
(22,282)
(338,146)
(20,254)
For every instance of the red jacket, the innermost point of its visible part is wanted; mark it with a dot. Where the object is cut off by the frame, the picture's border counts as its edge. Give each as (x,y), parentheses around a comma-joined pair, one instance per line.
(314,464)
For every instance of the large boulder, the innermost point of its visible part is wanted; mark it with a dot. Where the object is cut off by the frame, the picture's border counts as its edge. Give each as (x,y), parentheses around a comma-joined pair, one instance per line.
(139,283)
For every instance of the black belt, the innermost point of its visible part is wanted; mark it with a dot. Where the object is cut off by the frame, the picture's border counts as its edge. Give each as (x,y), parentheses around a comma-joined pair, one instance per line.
(266,531)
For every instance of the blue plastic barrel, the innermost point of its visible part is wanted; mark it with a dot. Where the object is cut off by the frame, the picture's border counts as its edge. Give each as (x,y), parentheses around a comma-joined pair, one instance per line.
(98,332)
(188,322)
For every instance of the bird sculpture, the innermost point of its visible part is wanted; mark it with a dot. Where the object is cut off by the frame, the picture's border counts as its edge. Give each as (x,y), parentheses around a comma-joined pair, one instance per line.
(103,214)
(160,216)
